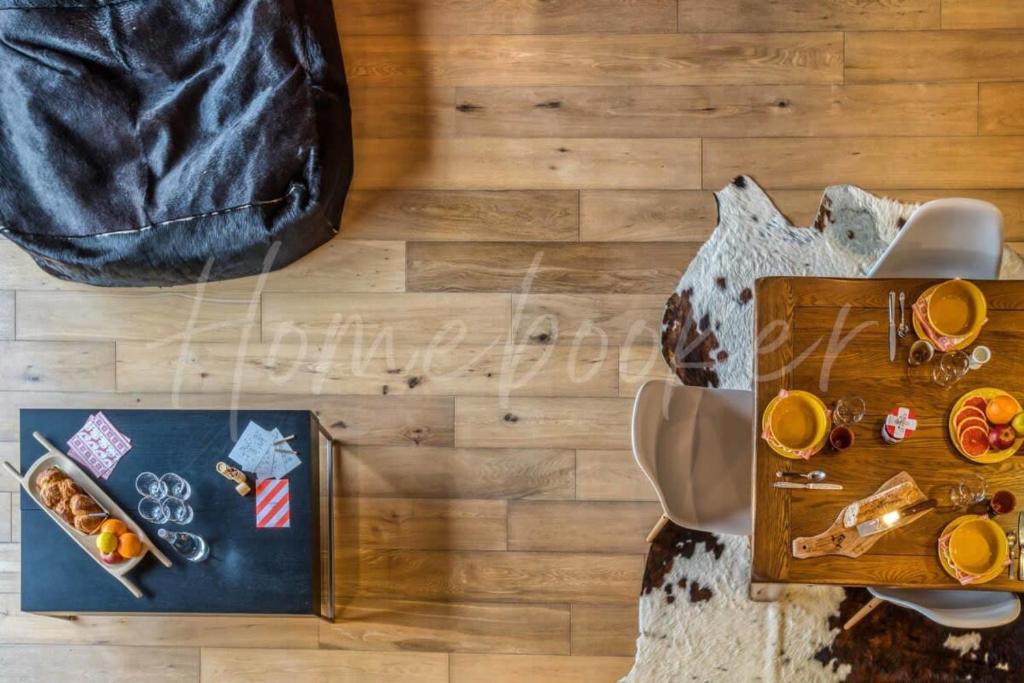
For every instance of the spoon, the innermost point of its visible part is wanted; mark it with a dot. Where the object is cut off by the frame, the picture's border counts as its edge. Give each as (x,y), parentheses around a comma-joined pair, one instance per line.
(904,329)
(816,475)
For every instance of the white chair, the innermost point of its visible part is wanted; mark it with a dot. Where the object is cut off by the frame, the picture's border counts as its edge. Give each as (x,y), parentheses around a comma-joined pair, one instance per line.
(946,238)
(695,445)
(952,608)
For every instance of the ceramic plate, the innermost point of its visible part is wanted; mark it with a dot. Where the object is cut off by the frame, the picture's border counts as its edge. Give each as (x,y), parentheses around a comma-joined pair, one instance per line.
(991,456)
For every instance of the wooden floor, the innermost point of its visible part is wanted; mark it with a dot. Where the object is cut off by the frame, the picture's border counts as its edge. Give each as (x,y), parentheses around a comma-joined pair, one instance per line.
(542,172)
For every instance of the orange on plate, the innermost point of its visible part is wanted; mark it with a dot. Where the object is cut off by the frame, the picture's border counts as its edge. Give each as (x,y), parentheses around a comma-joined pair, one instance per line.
(968,412)
(113,526)
(1001,409)
(129,545)
(974,441)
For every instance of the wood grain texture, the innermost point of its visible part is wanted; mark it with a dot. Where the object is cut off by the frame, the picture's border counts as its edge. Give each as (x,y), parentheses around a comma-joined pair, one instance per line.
(718,111)
(356,420)
(581,526)
(400,318)
(604,630)
(115,315)
(56,366)
(905,557)
(883,163)
(611,475)
(432,524)
(462,17)
(527,163)
(363,369)
(551,669)
(542,422)
(622,319)
(274,665)
(99,664)
(448,627)
(17,627)
(1001,107)
(653,59)
(801,15)
(480,216)
(933,56)
(426,472)
(639,364)
(492,576)
(411,112)
(11,452)
(15,518)
(629,268)
(5,517)
(10,567)
(987,14)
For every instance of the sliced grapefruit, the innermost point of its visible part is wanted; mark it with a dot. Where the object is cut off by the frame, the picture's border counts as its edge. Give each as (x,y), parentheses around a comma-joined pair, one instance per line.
(976,401)
(972,421)
(974,441)
(968,412)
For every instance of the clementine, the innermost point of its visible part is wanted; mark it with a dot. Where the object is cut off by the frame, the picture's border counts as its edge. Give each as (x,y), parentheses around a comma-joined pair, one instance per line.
(129,545)
(113,526)
(1001,409)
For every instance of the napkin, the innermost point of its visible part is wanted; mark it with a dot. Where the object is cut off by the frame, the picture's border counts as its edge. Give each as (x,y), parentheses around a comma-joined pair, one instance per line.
(98,445)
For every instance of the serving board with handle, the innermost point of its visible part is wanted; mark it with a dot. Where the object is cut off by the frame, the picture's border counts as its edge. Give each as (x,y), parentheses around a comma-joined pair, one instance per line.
(55,458)
(843,539)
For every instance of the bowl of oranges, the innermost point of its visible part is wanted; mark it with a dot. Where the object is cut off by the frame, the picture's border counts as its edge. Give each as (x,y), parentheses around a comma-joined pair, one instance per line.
(116,543)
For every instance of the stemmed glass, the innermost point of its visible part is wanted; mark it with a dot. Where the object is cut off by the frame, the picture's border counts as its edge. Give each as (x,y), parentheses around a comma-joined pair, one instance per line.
(951,368)
(150,485)
(175,486)
(178,511)
(153,510)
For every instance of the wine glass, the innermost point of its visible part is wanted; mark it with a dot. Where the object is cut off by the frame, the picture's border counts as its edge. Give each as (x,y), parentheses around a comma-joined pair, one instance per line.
(153,510)
(849,410)
(951,368)
(178,511)
(176,486)
(151,486)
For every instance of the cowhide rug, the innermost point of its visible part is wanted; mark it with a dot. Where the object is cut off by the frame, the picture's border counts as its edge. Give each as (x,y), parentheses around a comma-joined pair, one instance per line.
(697,624)
(707,330)
(696,620)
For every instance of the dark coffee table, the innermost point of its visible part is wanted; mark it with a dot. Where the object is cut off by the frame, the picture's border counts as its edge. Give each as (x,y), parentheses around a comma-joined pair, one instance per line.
(249,571)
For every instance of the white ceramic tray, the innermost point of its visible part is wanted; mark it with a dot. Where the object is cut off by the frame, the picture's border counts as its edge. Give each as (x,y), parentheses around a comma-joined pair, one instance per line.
(57,459)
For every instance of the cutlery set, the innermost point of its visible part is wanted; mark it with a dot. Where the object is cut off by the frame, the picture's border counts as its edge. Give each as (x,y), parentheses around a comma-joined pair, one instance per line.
(813,482)
(897,331)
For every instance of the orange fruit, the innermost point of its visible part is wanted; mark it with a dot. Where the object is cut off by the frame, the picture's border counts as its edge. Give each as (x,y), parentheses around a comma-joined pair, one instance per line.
(129,545)
(113,526)
(1001,409)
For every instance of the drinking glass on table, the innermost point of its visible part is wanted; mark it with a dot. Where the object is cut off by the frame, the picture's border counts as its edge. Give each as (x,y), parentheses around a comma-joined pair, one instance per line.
(969,489)
(176,486)
(849,410)
(150,485)
(951,368)
(178,511)
(153,510)
(1002,503)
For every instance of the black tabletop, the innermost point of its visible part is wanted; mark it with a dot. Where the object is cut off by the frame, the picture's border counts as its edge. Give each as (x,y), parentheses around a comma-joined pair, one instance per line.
(250,570)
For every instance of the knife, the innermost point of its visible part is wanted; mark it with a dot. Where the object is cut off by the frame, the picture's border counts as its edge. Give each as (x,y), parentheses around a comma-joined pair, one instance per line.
(886,521)
(1020,530)
(814,486)
(892,326)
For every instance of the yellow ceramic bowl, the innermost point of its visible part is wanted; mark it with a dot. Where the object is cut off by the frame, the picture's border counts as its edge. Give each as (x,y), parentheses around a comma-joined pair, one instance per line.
(956,308)
(798,422)
(978,546)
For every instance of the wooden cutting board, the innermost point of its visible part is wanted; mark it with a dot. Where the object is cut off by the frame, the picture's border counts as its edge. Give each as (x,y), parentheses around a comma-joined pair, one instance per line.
(840,539)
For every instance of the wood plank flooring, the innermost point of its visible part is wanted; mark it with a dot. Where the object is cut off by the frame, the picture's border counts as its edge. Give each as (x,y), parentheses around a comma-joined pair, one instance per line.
(531,179)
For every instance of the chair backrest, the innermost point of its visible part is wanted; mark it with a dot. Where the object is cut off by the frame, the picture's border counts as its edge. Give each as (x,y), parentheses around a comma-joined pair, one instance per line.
(695,445)
(956,608)
(946,238)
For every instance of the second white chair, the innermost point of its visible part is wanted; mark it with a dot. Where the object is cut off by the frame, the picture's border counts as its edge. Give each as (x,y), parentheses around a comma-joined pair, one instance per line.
(694,444)
(952,608)
(946,238)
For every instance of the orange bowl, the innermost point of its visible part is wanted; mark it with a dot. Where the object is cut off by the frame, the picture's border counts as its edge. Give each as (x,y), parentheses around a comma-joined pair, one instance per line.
(957,308)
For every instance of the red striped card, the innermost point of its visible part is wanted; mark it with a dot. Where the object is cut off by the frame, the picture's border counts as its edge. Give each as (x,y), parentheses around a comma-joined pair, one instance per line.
(272,511)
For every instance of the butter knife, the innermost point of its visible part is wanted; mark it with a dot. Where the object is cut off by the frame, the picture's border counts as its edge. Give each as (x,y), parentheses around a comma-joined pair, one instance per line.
(892,326)
(1020,530)
(814,486)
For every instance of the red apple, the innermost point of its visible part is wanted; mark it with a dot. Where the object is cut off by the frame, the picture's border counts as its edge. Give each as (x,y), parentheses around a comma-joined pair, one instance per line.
(111,558)
(1001,437)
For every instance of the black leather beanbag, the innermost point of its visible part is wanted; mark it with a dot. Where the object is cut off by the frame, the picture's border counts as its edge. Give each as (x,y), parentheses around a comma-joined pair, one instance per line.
(142,139)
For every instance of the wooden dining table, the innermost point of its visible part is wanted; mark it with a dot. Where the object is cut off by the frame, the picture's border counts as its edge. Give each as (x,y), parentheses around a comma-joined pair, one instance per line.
(831,337)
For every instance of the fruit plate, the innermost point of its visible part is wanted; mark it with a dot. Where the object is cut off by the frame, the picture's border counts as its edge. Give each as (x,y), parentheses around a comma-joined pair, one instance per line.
(919,331)
(944,561)
(990,456)
(57,459)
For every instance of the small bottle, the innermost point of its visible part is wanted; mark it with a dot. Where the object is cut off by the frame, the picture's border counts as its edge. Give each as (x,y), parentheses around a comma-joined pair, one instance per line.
(190,546)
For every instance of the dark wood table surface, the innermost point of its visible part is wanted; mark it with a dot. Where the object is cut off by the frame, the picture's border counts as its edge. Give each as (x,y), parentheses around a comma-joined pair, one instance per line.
(803,336)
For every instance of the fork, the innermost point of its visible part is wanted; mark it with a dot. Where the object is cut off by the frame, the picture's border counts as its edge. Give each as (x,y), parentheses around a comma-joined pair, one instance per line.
(904,329)
(1014,552)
